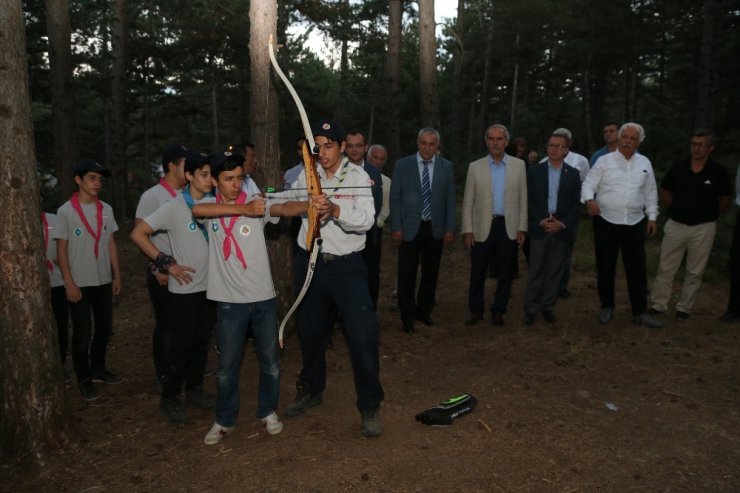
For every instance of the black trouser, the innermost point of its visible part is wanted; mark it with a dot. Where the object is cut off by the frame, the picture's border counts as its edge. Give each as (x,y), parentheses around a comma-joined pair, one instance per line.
(371,256)
(426,249)
(159,295)
(609,239)
(192,319)
(340,282)
(90,357)
(60,308)
(500,250)
(734,302)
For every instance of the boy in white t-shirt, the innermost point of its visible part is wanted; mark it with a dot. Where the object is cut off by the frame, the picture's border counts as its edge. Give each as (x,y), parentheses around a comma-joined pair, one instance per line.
(239,279)
(168,188)
(88,259)
(190,313)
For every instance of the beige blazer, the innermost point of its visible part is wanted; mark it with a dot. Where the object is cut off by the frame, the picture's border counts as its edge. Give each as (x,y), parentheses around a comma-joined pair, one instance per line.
(478,199)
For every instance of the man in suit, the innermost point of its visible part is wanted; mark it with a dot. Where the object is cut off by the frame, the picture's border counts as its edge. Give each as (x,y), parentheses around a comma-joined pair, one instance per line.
(553,203)
(494,221)
(422,218)
(355,150)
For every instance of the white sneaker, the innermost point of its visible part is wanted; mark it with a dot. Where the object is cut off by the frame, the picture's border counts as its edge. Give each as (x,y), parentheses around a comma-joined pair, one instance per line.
(272,423)
(217,433)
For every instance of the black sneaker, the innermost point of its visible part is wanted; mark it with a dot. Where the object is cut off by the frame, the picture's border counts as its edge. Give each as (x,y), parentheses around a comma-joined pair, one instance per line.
(106,376)
(371,425)
(682,316)
(303,400)
(87,391)
(564,293)
(173,411)
(198,398)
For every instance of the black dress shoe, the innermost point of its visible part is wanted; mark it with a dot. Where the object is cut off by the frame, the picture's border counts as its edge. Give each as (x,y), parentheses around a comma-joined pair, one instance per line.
(408,327)
(564,293)
(550,316)
(497,319)
(425,319)
(474,318)
(529,318)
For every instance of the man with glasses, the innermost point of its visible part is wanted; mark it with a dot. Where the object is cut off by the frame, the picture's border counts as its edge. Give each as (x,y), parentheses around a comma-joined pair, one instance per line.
(695,191)
(553,196)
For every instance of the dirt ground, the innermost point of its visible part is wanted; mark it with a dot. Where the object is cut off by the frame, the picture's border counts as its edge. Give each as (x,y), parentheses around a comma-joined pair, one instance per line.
(569,407)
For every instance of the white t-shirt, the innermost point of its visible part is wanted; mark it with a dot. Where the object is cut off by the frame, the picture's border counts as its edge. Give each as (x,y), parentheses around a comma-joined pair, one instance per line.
(150,201)
(228,280)
(86,269)
(55,274)
(189,244)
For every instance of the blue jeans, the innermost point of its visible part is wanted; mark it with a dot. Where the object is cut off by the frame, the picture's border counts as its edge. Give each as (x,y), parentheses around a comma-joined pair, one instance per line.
(233,321)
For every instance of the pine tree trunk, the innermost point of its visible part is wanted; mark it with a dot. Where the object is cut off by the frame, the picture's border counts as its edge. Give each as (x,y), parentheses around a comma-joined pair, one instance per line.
(704,114)
(459,61)
(62,97)
(393,75)
(265,131)
(483,121)
(32,397)
(429,91)
(119,162)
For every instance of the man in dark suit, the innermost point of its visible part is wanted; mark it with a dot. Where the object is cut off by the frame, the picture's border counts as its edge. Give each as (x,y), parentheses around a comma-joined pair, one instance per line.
(422,218)
(553,195)
(356,150)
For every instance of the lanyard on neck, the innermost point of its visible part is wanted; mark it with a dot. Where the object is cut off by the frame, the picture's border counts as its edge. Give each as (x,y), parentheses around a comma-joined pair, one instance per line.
(230,239)
(75,200)
(191,203)
(168,187)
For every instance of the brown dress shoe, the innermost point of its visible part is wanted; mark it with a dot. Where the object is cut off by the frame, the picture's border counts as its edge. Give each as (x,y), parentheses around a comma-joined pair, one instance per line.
(497,319)
(474,318)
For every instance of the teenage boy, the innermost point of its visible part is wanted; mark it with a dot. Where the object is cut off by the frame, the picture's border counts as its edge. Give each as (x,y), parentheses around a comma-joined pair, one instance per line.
(340,279)
(239,280)
(88,259)
(191,315)
(173,165)
(59,304)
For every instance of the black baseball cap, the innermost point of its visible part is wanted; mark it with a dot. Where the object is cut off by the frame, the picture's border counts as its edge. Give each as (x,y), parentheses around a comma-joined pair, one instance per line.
(329,129)
(194,160)
(87,165)
(172,154)
(218,159)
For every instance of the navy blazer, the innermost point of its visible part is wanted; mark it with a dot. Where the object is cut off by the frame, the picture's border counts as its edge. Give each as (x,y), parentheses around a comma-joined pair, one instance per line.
(568,204)
(374,173)
(406,202)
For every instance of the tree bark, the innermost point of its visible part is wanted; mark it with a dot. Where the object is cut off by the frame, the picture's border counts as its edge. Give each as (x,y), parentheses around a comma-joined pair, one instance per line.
(31,388)
(514,88)
(393,76)
(429,91)
(483,120)
(459,61)
(62,96)
(265,131)
(119,162)
(704,114)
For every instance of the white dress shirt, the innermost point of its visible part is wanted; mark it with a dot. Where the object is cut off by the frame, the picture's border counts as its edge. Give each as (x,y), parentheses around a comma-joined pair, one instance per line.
(385,209)
(624,189)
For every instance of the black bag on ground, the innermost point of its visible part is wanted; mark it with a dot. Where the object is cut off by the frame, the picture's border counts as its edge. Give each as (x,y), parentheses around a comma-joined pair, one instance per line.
(443,413)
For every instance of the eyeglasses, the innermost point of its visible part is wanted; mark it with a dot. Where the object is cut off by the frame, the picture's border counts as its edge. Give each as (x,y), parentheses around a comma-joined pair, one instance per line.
(700,145)
(556,146)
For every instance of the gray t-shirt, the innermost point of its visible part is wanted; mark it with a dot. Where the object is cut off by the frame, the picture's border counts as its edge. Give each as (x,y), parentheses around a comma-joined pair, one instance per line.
(189,245)
(150,201)
(86,269)
(55,274)
(228,280)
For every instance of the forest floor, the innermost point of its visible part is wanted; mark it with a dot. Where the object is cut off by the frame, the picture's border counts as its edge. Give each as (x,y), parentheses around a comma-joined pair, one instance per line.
(567,407)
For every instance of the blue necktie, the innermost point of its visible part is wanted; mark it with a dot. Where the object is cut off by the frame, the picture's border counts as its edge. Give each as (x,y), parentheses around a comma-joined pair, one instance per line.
(426,193)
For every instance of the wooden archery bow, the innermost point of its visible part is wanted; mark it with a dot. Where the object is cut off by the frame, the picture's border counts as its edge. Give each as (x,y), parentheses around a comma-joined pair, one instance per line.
(313,186)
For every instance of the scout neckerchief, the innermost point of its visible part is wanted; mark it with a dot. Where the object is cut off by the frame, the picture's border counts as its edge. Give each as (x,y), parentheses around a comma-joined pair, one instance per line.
(227,231)
(342,175)
(191,203)
(168,187)
(99,215)
(49,265)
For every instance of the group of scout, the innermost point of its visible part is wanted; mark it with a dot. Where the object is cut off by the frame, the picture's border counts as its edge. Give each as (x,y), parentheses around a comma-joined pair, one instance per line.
(202,230)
